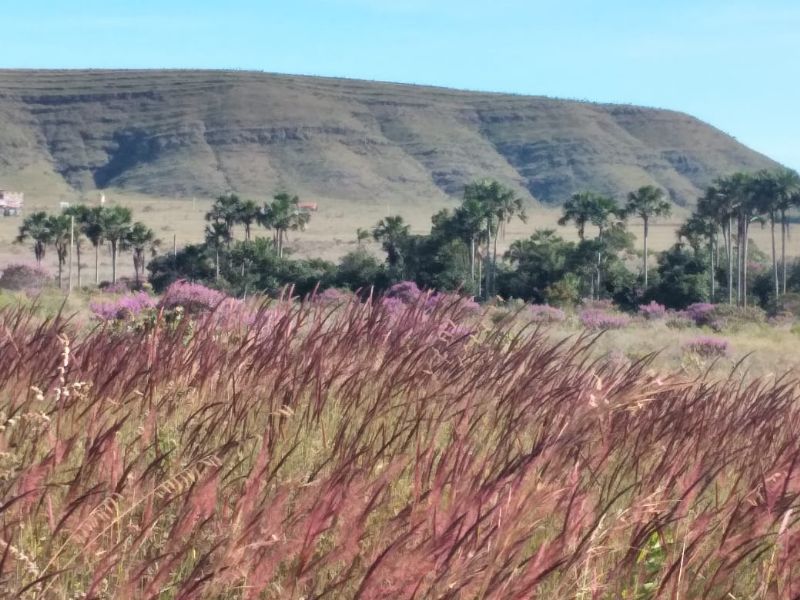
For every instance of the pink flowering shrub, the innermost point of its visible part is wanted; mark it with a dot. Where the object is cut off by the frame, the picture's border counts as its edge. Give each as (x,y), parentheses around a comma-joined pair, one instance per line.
(193,297)
(463,305)
(707,346)
(653,311)
(124,307)
(544,313)
(20,276)
(679,319)
(333,296)
(597,319)
(702,313)
(406,291)
(606,305)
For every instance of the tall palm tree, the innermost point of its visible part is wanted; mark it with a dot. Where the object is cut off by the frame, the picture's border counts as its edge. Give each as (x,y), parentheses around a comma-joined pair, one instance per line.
(227,210)
(60,228)
(140,239)
(578,209)
(605,214)
(391,232)
(81,214)
(695,230)
(743,189)
(218,235)
(283,215)
(767,199)
(36,227)
(91,225)
(788,189)
(498,205)
(717,206)
(362,235)
(116,223)
(248,212)
(647,203)
(471,216)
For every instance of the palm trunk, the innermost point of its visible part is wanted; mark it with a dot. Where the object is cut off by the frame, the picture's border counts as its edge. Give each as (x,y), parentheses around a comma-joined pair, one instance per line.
(97,264)
(784,231)
(216,263)
(739,261)
(774,255)
(472,259)
(113,262)
(480,278)
(494,266)
(712,269)
(744,261)
(78,255)
(644,260)
(59,272)
(729,249)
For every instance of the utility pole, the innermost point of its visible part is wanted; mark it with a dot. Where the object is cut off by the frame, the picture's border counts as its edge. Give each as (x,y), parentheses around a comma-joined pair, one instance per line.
(71,243)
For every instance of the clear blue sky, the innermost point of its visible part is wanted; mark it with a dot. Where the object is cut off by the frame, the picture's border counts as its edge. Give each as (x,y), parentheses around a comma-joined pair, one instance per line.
(732,63)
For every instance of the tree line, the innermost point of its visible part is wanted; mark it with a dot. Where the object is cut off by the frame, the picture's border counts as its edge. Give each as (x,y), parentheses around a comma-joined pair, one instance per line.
(710,260)
(111,226)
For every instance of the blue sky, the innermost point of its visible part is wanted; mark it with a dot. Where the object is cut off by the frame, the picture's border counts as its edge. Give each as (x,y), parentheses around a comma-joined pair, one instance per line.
(732,63)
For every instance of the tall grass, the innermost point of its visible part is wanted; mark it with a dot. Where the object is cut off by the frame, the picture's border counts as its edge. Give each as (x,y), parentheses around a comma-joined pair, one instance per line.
(367,451)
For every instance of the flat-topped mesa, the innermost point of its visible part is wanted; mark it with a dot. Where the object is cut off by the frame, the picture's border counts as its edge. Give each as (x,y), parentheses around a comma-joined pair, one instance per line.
(192,133)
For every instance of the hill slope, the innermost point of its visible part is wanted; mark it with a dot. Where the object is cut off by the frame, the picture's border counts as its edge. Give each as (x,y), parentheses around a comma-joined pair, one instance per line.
(205,132)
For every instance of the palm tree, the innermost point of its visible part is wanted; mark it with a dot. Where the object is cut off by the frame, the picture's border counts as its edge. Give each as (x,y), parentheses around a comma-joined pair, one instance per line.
(578,209)
(283,215)
(60,228)
(697,229)
(248,213)
(647,203)
(716,206)
(391,232)
(227,210)
(36,227)
(498,206)
(116,223)
(91,225)
(140,239)
(605,214)
(362,235)
(743,191)
(767,198)
(81,214)
(788,188)
(471,217)
(218,235)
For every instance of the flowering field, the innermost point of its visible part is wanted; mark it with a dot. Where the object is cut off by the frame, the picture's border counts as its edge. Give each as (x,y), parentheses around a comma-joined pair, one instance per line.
(398,449)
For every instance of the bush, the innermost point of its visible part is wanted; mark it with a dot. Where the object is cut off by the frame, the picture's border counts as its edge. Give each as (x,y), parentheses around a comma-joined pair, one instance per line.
(708,347)
(597,319)
(193,297)
(727,316)
(653,311)
(544,313)
(125,307)
(679,319)
(701,312)
(19,276)
(406,292)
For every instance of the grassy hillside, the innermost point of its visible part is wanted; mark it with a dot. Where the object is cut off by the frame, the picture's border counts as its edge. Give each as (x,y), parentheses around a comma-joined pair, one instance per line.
(186,133)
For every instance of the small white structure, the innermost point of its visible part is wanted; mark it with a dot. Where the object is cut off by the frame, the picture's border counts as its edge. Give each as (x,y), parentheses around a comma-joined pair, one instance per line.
(11,203)
(63,205)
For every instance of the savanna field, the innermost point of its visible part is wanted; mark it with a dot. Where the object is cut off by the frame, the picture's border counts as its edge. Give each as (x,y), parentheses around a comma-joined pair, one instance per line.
(412,446)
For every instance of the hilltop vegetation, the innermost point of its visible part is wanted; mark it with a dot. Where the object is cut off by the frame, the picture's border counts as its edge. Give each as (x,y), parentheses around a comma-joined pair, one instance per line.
(184,133)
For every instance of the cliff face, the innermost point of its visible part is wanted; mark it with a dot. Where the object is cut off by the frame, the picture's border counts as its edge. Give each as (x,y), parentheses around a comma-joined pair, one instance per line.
(202,133)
